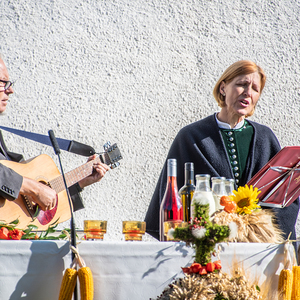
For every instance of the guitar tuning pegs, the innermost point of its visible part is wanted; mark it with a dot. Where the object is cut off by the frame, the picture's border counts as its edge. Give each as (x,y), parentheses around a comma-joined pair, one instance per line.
(106,145)
(114,165)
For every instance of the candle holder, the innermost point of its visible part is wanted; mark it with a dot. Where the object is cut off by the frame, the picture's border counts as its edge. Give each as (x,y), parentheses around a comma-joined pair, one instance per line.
(134,230)
(94,229)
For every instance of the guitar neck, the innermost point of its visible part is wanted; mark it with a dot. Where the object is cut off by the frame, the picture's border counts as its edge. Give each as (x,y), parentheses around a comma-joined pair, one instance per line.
(76,175)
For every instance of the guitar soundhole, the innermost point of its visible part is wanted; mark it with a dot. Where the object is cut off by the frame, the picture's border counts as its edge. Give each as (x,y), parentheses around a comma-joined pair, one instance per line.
(45,217)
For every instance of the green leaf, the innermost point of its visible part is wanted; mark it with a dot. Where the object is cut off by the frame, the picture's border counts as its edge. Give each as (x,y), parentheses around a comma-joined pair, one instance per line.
(220,296)
(55,222)
(36,212)
(28,236)
(50,238)
(32,227)
(15,222)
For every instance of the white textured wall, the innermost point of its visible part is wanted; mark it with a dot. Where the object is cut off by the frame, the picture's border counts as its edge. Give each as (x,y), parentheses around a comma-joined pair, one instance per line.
(134,72)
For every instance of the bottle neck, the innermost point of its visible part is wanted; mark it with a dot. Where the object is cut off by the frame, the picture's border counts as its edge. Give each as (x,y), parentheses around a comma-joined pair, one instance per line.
(218,186)
(172,182)
(189,177)
(171,171)
(202,185)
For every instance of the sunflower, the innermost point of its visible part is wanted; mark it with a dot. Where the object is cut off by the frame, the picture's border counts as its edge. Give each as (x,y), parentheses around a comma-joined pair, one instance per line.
(246,199)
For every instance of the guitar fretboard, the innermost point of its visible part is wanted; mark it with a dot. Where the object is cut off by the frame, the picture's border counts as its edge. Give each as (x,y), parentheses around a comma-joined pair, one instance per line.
(73,176)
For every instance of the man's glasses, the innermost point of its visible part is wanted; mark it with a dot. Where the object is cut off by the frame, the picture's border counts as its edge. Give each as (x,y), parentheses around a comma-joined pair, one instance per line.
(7,84)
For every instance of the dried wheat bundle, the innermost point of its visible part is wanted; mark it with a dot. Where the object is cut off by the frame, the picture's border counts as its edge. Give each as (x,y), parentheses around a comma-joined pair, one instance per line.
(196,287)
(258,227)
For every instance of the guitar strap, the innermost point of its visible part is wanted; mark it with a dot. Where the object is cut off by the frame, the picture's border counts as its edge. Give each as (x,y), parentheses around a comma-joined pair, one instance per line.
(67,145)
(3,152)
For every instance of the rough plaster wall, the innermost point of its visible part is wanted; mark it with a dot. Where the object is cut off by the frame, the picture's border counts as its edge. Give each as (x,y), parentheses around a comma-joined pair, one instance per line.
(134,72)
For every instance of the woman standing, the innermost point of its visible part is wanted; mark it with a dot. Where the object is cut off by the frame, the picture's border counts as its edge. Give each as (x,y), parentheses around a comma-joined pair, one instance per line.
(226,143)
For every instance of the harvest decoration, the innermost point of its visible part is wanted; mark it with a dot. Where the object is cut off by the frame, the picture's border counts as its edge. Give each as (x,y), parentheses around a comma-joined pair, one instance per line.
(84,274)
(202,234)
(69,282)
(196,268)
(213,286)
(241,220)
(289,278)
(9,231)
(12,234)
(253,224)
(243,201)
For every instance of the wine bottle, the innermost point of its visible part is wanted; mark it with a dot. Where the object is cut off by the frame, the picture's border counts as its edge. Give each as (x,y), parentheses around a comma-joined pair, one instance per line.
(187,191)
(171,213)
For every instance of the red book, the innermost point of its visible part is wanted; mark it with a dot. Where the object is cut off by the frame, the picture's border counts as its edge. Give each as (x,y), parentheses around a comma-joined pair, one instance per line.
(279,179)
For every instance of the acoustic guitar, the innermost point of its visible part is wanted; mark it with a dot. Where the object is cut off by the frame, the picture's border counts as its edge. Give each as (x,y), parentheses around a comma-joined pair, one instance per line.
(43,169)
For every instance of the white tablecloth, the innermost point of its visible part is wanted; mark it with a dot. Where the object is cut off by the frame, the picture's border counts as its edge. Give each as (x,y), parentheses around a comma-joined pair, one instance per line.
(33,270)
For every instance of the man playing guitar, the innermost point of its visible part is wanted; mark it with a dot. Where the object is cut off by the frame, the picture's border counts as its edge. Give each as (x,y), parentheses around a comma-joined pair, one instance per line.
(13,184)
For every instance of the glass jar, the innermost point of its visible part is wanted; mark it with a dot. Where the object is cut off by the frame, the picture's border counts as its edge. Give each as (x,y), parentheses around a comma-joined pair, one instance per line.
(229,186)
(218,189)
(203,194)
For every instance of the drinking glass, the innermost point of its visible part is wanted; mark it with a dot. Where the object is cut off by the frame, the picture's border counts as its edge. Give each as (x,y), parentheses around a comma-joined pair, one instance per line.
(94,229)
(134,230)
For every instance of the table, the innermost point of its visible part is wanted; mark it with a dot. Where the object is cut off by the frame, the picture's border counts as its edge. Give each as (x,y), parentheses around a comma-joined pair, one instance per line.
(33,270)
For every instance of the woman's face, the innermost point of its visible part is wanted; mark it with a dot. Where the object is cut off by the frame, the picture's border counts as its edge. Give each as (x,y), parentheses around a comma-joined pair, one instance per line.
(241,94)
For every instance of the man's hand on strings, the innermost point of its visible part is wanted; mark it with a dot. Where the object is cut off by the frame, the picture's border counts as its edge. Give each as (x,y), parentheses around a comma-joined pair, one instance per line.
(39,193)
(99,170)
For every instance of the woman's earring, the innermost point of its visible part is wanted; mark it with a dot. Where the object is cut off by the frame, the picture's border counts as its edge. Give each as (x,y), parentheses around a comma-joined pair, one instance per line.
(223,94)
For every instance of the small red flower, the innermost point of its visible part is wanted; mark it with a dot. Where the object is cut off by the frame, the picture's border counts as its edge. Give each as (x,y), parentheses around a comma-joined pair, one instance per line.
(210,267)
(4,233)
(202,271)
(195,267)
(186,270)
(15,234)
(218,264)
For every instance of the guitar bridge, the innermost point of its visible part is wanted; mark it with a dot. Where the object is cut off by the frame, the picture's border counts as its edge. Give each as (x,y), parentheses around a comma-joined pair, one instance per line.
(30,208)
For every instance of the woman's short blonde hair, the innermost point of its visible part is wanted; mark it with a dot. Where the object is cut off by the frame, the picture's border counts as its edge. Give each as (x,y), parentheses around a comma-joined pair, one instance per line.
(242,67)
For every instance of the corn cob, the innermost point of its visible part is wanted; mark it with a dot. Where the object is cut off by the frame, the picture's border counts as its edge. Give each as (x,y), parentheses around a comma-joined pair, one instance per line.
(68,284)
(86,283)
(285,284)
(296,283)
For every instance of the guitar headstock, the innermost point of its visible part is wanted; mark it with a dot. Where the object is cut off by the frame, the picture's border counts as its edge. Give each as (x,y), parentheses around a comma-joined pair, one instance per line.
(111,156)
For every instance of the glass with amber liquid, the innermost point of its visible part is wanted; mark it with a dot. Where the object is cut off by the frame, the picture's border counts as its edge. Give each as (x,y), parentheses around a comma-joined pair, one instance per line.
(187,191)
(134,230)
(171,205)
(172,225)
(94,229)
